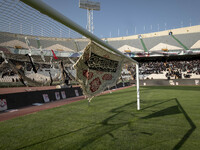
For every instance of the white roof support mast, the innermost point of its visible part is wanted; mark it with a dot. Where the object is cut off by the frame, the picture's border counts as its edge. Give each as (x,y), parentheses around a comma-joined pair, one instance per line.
(90,6)
(90,25)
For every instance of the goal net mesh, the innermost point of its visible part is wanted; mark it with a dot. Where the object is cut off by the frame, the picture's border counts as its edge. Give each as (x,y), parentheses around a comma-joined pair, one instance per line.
(34,48)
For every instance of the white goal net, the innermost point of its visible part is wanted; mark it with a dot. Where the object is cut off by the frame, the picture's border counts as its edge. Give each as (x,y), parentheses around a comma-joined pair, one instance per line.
(39,46)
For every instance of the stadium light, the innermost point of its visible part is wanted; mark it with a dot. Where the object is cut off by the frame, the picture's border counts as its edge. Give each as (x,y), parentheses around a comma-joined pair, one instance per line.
(90,6)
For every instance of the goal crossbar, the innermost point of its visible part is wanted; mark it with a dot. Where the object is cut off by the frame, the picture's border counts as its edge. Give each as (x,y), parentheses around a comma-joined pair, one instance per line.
(54,14)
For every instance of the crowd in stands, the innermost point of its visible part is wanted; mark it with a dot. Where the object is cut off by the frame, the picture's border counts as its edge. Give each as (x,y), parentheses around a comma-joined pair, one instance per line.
(171,69)
(177,69)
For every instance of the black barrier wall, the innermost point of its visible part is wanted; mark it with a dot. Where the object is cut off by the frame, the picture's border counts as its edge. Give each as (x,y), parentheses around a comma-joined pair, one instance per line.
(22,99)
(17,100)
(165,82)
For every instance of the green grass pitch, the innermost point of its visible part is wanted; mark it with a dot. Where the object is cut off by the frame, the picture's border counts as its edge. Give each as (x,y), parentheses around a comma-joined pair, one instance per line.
(169,119)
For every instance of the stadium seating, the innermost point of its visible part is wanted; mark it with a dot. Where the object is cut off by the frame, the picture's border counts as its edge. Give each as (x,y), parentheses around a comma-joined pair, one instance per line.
(119,43)
(76,45)
(81,43)
(191,39)
(153,41)
(66,47)
(171,70)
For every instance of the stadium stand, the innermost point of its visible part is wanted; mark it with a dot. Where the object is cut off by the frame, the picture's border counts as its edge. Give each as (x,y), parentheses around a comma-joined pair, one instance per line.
(81,44)
(119,43)
(11,40)
(152,42)
(190,40)
(170,70)
(150,67)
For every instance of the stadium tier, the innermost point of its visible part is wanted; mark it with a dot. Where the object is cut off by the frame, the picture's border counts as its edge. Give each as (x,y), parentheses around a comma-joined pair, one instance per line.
(155,45)
(61,44)
(134,45)
(143,48)
(160,43)
(191,40)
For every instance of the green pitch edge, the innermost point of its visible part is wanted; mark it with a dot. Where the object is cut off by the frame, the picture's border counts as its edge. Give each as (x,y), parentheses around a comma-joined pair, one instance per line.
(179,42)
(144,46)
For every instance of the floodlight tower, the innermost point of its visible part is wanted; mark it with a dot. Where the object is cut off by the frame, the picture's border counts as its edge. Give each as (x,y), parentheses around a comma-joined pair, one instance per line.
(90,6)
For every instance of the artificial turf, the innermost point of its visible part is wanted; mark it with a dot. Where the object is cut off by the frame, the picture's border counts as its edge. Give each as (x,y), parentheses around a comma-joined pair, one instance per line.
(169,119)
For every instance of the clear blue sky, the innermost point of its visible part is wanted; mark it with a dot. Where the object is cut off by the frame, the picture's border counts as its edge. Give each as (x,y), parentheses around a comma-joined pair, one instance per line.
(129,17)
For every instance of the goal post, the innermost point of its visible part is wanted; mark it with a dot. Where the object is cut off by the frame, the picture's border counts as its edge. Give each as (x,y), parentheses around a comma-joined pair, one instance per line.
(52,13)
(138,86)
(63,21)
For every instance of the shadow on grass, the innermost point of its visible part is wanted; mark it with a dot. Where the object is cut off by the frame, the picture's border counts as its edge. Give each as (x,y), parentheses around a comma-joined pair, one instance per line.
(98,130)
(52,138)
(120,117)
(120,92)
(189,132)
(168,111)
(171,111)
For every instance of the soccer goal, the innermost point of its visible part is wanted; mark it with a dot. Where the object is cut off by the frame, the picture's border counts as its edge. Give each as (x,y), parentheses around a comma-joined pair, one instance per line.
(33,35)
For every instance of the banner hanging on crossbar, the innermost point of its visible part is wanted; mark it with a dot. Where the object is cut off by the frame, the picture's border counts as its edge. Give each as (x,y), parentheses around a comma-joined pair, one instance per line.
(97,69)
